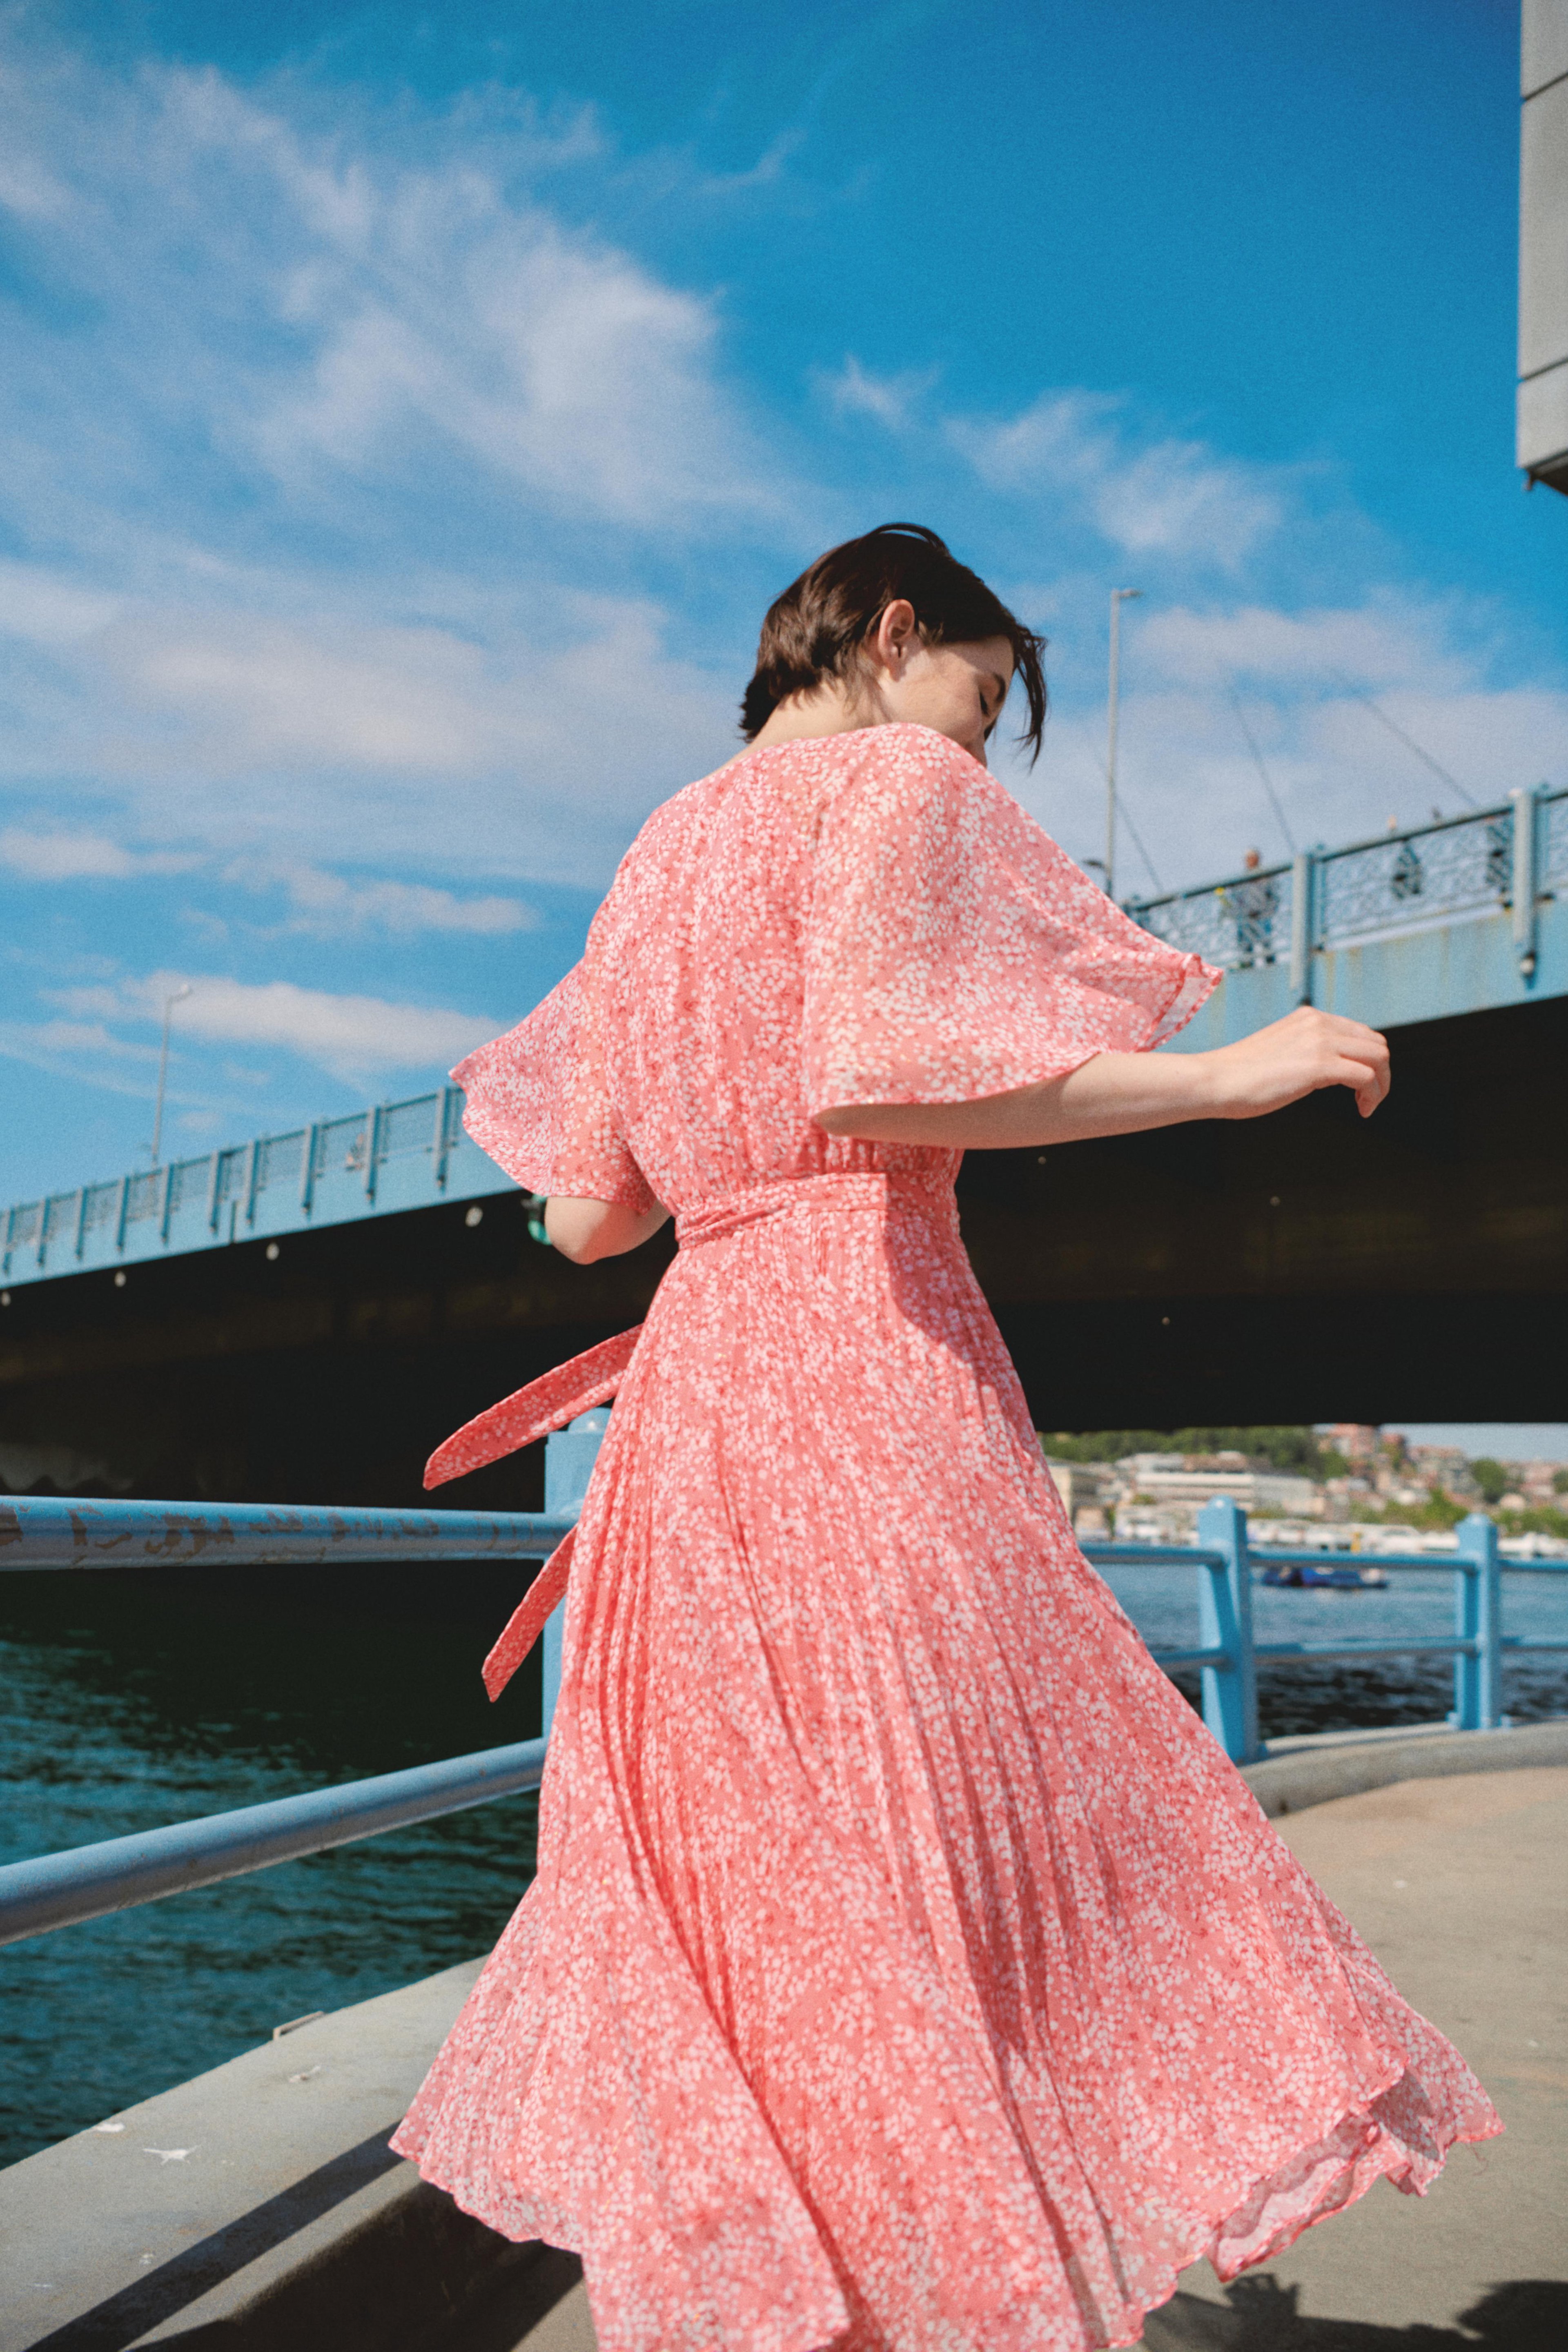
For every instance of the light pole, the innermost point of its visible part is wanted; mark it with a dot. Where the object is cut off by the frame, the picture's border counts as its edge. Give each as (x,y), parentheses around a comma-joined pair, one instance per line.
(178,997)
(1118,598)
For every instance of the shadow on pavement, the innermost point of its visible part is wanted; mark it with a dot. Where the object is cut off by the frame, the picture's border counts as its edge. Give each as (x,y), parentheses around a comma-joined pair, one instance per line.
(1260,2315)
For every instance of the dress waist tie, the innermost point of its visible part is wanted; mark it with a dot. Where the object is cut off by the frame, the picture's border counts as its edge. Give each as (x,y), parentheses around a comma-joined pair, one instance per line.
(870,1191)
(517,1420)
(593,1378)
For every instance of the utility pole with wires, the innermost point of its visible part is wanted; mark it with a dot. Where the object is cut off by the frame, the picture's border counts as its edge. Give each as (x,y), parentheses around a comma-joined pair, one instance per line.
(1119,596)
(1264,776)
(178,997)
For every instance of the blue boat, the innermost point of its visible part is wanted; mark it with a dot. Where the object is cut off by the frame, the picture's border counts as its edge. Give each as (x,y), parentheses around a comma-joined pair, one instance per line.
(1309,1577)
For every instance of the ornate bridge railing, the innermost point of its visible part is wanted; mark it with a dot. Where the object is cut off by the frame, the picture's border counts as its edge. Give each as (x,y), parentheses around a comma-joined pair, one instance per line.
(1509,859)
(393,1157)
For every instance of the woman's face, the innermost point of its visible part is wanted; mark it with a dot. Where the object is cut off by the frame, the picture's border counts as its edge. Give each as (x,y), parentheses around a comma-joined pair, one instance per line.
(957,690)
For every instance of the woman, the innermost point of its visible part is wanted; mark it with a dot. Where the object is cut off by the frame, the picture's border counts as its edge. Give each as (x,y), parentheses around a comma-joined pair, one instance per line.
(906,1966)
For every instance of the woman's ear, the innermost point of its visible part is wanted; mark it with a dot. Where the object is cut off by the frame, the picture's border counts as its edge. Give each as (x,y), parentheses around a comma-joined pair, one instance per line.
(895,637)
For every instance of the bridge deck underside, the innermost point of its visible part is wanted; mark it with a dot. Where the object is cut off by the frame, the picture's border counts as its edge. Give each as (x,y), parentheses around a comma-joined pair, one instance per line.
(1309,1267)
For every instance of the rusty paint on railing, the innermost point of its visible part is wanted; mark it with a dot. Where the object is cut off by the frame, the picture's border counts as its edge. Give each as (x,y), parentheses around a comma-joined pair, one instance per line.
(49,1531)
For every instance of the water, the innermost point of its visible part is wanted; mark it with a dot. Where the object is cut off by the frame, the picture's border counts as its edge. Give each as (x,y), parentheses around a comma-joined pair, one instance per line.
(133,1701)
(1351,1694)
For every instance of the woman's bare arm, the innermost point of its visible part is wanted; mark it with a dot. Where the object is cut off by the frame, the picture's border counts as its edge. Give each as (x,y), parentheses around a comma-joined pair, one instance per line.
(1113,1094)
(1119,1094)
(585,1230)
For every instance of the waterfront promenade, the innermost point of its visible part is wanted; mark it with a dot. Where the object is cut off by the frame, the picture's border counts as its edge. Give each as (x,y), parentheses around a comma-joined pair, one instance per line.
(284,2226)
(1460,1886)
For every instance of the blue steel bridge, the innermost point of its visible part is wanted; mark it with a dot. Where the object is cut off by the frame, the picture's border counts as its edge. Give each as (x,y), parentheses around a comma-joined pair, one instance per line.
(302,1316)
(384,1162)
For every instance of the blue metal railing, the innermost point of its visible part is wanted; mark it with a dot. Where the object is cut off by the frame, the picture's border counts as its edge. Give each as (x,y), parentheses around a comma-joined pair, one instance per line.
(377,1162)
(57,1890)
(57,1531)
(1512,856)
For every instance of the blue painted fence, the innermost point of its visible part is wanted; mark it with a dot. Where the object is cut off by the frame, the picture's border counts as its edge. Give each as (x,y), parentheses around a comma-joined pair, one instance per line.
(58,1889)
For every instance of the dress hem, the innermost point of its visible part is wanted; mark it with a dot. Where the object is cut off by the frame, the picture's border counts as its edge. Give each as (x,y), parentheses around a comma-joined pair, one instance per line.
(1402,2173)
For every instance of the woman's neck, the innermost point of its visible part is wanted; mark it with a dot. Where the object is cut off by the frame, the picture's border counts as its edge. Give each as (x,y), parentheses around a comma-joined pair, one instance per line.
(827,710)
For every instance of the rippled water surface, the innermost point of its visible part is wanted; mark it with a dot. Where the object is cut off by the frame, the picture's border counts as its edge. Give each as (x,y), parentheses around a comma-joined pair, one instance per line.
(133,1701)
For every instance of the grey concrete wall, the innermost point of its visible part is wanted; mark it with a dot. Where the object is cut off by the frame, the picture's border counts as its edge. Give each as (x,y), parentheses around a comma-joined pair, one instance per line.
(259,2206)
(1297,1775)
(1543,243)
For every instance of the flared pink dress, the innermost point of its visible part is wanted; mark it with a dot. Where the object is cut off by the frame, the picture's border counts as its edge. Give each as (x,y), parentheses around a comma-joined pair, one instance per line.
(907,1967)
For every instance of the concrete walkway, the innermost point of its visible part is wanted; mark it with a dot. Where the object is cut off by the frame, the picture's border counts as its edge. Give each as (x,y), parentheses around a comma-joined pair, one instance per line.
(257,2209)
(1460,1886)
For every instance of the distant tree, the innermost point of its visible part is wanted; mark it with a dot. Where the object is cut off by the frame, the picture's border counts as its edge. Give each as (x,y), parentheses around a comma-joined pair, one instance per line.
(1438,1510)
(1490,1477)
(1106,1444)
(1286,1446)
(1545,1521)
(1560,1482)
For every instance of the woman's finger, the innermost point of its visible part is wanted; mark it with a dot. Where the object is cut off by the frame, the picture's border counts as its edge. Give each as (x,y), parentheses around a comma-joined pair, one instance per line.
(1365,1050)
(1369,1085)
(1361,1078)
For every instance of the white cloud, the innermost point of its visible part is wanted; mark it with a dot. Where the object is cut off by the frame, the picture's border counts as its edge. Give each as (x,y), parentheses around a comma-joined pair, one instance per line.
(330,305)
(1190,784)
(854,391)
(354,422)
(65,856)
(349,1036)
(251,690)
(512,758)
(88,1038)
(1374,645)
(327,905)
(1168,497)
(85,1052)
(556,363)
(1333,696)
(46,607)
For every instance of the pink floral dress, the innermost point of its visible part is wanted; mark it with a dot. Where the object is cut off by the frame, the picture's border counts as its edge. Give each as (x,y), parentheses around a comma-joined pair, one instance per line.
(907,1967)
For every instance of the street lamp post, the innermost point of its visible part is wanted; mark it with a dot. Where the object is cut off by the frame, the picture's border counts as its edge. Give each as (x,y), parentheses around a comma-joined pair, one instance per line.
(1118,598)
(178,997)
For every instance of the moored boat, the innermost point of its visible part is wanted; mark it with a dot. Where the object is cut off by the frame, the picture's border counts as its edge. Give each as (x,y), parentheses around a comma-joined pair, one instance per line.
(1308,1575)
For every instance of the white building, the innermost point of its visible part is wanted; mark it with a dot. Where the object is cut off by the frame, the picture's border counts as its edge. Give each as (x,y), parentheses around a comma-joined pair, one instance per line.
(1164,1478)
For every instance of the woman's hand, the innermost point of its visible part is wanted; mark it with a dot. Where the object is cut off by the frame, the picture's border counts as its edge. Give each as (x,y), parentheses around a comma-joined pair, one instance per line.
(1298,1055)
(585,1230)
(1127,1094)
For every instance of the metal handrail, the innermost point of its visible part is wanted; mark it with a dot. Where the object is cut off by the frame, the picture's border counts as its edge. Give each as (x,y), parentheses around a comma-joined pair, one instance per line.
(85,1882)
(58,1531)
(1224,1557)
(56,1890)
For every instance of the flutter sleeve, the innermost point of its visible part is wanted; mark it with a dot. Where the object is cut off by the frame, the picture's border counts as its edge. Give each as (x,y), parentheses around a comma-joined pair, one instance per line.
(952,951)
(538,1103)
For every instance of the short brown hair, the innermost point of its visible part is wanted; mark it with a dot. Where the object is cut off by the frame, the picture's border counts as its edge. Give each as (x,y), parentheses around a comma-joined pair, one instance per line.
(816,629)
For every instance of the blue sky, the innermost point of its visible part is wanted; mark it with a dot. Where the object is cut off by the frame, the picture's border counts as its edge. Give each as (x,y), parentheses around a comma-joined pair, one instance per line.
(408,413)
